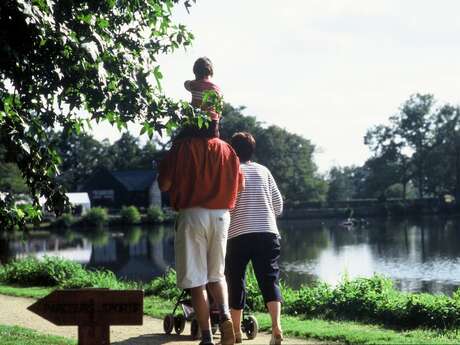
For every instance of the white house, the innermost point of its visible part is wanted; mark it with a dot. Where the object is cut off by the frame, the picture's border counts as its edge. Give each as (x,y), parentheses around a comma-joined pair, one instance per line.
(80,201)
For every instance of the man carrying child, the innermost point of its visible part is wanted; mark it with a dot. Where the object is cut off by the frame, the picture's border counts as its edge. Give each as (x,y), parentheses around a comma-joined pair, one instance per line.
(202,175)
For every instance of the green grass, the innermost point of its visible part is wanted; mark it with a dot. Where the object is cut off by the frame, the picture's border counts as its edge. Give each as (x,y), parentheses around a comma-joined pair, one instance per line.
(346,332)
(14,335)
(157,307)
(19,291)
(349,332)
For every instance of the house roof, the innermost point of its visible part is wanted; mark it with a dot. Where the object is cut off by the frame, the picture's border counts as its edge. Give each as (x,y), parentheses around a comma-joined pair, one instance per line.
(135,180)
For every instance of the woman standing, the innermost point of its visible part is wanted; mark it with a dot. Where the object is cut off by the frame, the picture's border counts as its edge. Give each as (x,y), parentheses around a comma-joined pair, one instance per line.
(253,236)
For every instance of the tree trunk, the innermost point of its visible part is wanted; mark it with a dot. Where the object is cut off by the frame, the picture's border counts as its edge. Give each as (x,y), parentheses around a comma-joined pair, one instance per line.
(5,253)
(457,175)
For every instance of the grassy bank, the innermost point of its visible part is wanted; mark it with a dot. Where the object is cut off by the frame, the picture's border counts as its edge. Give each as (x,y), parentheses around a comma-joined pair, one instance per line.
(355,312)
(14,335)
(370,300)
(335,331)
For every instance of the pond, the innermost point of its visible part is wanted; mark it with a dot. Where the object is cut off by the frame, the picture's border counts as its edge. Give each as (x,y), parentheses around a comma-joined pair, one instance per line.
(419,255)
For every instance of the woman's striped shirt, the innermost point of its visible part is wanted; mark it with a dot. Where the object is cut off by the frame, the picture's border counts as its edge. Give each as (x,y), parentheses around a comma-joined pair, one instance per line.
(258,205)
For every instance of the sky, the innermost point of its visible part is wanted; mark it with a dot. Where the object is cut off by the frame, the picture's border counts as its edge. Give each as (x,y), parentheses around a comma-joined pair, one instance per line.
(325,69)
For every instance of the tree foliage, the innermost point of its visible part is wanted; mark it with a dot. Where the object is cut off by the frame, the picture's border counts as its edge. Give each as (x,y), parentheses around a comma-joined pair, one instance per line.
(81,155)
(288,156)
(421,144)
(342,184)
(66,62)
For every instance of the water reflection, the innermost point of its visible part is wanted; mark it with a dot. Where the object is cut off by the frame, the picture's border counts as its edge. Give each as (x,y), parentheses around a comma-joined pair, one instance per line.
(419,255)
(133,253)
(422,255)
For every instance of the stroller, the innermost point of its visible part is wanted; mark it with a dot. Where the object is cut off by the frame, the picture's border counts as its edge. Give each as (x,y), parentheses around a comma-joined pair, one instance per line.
(249,324)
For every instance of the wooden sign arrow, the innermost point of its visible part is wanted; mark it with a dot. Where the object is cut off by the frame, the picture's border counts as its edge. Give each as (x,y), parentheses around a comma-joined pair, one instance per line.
(93,310)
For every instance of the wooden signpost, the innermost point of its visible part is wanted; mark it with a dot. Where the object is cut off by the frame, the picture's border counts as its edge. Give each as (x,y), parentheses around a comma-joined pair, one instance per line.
(92,310)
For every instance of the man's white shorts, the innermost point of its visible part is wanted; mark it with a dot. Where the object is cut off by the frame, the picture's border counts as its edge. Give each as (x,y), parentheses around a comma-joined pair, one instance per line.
(200,244)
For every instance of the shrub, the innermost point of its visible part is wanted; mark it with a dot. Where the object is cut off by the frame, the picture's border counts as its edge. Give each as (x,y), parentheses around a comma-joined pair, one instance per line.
(51,271)
(155,214)
(308,301)
(97,279)
(96,216)
(130,215)
(254,298)
(164,286)
(54,271)
(66,220)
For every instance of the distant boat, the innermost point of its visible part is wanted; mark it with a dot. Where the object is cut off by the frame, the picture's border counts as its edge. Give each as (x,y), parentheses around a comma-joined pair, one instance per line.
(352,222)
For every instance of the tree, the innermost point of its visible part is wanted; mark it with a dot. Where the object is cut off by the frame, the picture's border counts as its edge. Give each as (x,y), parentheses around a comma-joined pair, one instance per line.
(125,153)
(66,62)
(288,156)
(415,126)
(10,179)
(408,140)
(382,172)
(234,121)
(149,155)
(446,153)
(341,184)
(80,156)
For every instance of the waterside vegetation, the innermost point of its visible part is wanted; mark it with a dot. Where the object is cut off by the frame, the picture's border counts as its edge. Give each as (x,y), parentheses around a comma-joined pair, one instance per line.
(128,215)
(363,311)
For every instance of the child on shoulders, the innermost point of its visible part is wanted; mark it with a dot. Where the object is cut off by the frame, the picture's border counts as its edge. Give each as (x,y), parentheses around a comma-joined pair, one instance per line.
(203,71)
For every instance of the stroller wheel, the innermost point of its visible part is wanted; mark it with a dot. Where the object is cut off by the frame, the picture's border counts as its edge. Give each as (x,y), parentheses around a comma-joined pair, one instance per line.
(179,323)
(168,323)
(251,326)
(195,329)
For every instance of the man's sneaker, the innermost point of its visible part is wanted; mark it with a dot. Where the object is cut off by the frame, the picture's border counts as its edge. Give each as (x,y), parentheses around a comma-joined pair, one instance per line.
(276,339)
(227,335)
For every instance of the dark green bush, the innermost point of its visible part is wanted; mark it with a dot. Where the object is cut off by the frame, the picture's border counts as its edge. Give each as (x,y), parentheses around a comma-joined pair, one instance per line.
(164,286)
(366,299)
(254,298)
(130,215)
(155,214)
(308,301)
(96,279)
(97,216)
(51,271)
(66,220)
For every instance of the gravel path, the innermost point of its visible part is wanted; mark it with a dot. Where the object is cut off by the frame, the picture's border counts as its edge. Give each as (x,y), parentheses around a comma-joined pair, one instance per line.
(13,311)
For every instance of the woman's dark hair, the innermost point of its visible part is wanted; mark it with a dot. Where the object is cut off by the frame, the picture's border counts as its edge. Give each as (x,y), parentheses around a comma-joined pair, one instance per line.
(203,68)
(244,145)
(192,131)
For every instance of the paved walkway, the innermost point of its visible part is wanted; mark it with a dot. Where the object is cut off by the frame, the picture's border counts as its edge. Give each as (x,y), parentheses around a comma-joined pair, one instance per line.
(13,311)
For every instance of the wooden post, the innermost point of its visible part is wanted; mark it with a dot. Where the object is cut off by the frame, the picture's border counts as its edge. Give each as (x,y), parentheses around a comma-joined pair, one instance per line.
(97,335)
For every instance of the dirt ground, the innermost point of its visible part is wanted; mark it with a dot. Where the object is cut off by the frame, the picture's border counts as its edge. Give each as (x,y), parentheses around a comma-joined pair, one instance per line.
(13,311)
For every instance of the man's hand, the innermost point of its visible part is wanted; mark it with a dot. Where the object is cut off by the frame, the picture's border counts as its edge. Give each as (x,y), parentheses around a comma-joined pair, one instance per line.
(164,184)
